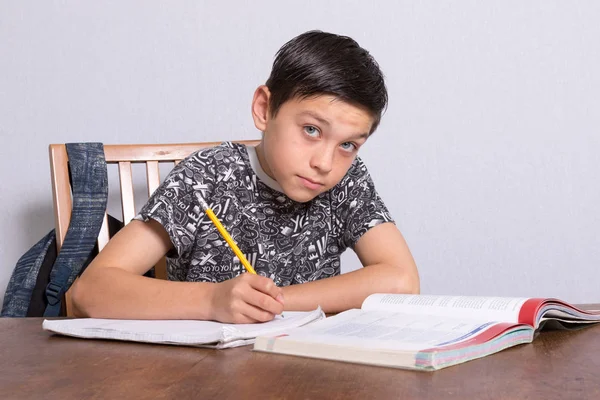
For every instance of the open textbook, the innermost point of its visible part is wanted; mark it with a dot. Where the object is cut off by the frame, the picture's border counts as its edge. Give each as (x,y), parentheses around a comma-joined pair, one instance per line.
(180,332)
(426,332)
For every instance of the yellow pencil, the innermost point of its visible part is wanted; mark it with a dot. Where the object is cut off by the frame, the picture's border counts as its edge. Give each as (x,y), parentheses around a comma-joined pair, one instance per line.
(226,236)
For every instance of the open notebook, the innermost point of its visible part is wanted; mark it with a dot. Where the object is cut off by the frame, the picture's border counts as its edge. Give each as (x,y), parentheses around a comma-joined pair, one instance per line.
(180,332)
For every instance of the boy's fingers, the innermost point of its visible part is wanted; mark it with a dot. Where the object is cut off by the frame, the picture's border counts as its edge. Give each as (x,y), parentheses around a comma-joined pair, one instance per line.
(255,314)
(267,286)
(264,302)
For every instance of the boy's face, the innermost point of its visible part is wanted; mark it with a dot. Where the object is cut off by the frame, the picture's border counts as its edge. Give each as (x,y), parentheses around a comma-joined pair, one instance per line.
(311,143)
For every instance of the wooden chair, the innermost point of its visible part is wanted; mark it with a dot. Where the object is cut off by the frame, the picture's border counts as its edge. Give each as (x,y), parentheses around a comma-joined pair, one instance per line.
(123,155)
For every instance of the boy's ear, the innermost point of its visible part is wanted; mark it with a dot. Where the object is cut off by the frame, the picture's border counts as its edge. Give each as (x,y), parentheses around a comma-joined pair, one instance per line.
(260,107)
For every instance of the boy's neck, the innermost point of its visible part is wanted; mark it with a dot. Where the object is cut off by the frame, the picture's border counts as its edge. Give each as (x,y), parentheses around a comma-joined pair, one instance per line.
(257,166)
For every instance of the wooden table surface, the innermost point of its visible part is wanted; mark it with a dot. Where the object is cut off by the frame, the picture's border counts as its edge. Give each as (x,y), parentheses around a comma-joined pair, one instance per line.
(37,364)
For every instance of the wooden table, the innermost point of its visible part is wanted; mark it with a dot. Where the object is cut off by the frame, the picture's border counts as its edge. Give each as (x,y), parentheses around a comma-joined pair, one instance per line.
(36,364)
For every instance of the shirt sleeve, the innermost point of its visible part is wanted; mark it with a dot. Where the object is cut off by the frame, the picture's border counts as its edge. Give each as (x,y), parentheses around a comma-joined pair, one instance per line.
(174,204)
(359,207)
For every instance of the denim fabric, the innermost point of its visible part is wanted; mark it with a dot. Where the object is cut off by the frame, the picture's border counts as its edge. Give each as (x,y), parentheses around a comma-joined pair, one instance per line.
(24,277)
(89,183)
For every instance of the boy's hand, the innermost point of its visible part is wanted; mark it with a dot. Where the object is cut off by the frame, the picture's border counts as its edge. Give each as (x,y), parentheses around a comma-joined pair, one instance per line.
(247,298)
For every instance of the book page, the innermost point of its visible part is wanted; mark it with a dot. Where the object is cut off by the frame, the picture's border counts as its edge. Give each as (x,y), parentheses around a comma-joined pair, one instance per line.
(378,329)
(564,313)
(184,332)
(152,331)
(472,307)
(281,324)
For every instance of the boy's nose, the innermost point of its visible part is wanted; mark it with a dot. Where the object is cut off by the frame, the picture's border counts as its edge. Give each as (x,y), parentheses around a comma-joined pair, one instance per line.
(322,159)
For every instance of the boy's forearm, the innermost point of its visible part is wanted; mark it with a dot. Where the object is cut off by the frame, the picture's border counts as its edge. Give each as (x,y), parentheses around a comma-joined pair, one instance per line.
(115,293)
(340,293)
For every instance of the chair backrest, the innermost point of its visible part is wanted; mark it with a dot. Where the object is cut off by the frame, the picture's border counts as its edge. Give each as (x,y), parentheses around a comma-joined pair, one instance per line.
(123,155)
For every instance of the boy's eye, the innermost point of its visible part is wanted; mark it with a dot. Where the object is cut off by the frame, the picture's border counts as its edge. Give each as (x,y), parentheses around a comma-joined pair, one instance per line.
(311,131)
(348,146)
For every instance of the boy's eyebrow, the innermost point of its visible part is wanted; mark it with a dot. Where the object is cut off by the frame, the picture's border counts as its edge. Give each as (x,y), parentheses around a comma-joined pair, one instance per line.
(316,116)
(359,136)
(326,122)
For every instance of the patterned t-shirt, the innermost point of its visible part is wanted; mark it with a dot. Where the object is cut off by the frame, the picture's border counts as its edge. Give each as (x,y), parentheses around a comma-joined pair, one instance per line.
(287,241)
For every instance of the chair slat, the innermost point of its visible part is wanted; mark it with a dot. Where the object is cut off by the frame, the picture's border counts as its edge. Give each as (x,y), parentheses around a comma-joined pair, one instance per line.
(61,191)
(157,152)
(127,201)
(103,236)
(153,176)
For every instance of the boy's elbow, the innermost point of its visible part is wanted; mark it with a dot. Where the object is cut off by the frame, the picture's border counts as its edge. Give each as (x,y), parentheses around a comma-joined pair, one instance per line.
(408,287)
(407,283)
(79,300)
(414,283)
(413,288)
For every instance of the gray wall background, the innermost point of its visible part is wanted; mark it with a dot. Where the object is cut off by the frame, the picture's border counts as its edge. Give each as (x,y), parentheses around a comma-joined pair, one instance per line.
(487,155)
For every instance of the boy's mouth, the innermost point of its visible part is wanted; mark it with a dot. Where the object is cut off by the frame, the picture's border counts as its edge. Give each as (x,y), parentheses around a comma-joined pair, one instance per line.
(310,184)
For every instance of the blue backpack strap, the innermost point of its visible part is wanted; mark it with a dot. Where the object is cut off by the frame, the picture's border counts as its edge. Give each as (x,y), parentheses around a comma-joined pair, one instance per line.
(89,182)
(24,277)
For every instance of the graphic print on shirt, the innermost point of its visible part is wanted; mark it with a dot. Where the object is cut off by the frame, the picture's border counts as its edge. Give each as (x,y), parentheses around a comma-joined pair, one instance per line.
(287,241)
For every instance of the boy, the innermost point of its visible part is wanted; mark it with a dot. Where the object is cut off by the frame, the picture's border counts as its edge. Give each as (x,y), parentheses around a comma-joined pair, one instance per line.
(293,204)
